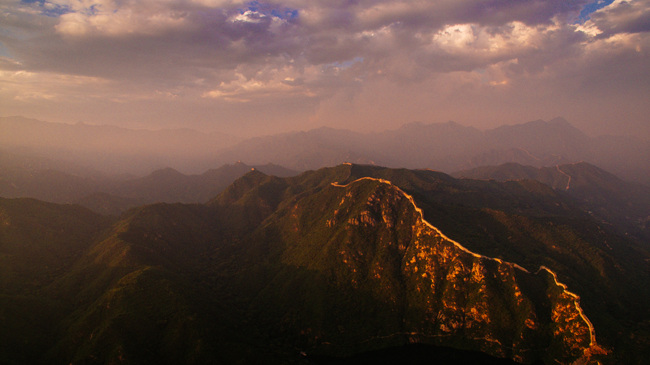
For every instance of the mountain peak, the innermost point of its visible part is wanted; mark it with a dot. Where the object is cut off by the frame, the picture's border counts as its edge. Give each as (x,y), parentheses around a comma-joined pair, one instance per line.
(165,172)
(557,122)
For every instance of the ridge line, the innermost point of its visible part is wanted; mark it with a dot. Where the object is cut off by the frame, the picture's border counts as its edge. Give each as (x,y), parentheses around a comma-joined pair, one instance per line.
(576,300)
(438,231)
(575,297)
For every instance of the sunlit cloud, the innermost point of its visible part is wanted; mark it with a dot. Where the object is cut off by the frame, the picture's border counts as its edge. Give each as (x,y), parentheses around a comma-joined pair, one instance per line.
(26,85)
(334,53)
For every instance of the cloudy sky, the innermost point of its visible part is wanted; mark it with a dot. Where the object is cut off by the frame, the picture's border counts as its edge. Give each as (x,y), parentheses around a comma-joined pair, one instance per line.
(251,68)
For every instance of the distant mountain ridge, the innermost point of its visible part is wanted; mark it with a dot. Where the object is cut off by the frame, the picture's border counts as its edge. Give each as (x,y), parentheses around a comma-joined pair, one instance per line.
(446,147)
(113,195)
(602,193)
(450,147)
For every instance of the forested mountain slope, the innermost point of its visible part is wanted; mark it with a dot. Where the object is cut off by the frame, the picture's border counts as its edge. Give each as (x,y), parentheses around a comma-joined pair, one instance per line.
(338,262)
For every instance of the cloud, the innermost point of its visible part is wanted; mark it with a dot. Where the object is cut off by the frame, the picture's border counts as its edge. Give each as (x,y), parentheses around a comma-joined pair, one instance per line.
(25,85)
(622,17)
(269,82)
(335,54)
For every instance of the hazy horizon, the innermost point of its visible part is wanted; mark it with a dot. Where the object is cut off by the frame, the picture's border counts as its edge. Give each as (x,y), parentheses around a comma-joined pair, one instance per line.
(250,68)
(299,129)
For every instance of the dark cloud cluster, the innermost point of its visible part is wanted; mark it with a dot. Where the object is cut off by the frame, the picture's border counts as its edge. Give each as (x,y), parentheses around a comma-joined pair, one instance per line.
(303,63)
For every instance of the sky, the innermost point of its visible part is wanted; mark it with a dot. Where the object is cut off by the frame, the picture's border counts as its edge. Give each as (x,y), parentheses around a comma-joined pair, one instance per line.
(259,67)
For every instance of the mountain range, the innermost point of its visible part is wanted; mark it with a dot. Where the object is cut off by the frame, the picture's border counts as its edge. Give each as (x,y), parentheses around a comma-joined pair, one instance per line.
(332,264)
(447,147)
(599,192)
(450,147)
(115,194)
